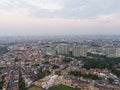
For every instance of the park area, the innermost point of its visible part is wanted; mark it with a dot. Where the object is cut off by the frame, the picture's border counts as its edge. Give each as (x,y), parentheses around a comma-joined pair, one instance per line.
(62,87)
(34,88)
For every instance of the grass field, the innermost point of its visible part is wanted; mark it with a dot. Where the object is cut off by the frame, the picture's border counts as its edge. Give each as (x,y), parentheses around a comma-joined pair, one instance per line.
(62,87)
(34,88)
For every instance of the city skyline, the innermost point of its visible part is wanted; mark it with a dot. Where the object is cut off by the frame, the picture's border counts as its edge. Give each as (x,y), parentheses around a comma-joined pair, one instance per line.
(59,17)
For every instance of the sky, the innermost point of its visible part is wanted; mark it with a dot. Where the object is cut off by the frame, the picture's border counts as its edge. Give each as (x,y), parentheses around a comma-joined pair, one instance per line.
(59,17)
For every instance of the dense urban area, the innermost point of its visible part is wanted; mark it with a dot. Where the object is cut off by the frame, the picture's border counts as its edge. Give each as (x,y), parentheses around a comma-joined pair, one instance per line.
(59,63)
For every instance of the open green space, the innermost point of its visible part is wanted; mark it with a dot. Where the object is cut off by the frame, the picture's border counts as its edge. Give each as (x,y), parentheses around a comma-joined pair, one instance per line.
(62,87)
(34,88)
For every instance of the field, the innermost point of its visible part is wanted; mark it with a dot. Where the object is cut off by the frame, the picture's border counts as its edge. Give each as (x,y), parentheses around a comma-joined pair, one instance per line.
(34,88)
(62,87)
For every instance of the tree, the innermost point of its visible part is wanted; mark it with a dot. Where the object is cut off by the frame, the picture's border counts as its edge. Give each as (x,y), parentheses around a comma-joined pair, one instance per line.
(21,83)
(90,76)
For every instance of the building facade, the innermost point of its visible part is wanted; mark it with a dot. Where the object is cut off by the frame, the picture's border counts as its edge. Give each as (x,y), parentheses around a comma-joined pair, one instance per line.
(63,49)
(112,52)
(79,50)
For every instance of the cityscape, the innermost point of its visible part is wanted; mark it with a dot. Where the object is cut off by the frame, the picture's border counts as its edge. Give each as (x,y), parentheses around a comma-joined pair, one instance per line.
(81,64)
(59,44)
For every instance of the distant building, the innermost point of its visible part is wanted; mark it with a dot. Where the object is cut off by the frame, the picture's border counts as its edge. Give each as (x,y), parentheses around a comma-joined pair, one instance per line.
(63,49)
(79,50)
(112,51)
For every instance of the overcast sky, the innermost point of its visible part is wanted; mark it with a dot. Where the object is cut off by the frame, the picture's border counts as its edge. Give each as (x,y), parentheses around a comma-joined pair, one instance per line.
(59,17)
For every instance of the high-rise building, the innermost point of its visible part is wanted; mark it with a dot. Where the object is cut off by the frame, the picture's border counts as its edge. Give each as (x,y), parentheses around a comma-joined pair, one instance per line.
(79,50)
(112,51)
(62,49)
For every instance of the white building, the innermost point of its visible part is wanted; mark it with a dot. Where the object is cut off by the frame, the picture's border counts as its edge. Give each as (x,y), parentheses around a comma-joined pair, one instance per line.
(112,52)
(62,49)
(79,50)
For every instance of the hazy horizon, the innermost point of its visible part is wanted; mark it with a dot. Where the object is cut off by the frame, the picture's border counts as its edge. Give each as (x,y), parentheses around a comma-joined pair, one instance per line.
(59,17)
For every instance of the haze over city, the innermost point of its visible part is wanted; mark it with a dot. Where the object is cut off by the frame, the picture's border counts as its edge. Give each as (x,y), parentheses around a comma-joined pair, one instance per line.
(59,44)
(59,17)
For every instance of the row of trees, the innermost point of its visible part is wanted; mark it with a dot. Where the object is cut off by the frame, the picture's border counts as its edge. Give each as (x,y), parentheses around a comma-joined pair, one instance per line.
(95,63)
(96,55)
(21,83)
(90,76)
(102,63)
